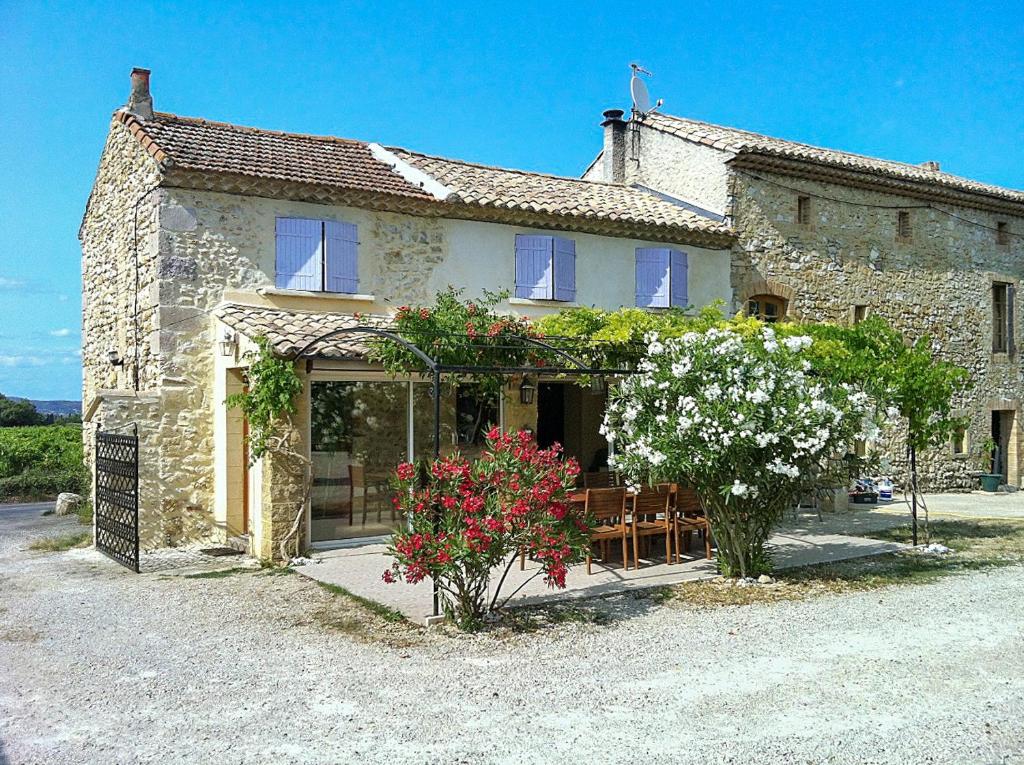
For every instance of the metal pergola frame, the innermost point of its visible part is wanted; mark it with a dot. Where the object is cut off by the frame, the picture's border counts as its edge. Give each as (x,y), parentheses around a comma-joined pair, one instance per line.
(437,369)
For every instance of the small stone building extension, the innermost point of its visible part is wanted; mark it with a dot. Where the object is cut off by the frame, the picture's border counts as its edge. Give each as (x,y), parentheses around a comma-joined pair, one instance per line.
(829,235)
(181,265)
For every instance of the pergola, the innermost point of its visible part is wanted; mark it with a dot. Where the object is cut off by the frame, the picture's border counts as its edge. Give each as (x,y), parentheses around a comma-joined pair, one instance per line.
(565,353)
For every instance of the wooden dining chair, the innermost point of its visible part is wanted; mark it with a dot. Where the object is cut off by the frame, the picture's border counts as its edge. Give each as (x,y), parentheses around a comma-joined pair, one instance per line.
(652,516)
(600,480)
(690,517)
(607,509)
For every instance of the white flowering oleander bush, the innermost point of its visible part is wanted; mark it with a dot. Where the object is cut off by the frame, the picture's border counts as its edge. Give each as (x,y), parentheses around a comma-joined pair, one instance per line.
(739,418)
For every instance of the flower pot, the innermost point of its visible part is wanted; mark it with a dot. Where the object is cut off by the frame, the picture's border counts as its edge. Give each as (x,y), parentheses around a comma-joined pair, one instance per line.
(990,481)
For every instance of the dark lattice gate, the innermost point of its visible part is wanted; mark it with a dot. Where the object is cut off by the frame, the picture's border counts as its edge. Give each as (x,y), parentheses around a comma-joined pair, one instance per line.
(116,498)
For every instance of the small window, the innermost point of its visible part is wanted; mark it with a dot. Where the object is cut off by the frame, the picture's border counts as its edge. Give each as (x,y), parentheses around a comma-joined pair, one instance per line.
(767,308)
(860,447)
(860,312)
(903,230)
(1002,233)
(959,441)
(545,268)
(661,278)
(803,211)
(1002,317)
(316,255)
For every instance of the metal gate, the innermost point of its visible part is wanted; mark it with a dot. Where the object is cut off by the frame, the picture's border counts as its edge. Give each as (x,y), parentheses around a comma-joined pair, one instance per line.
(116,498)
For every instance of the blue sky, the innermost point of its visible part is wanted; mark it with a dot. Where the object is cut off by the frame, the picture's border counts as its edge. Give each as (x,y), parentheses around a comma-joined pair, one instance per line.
(521,86)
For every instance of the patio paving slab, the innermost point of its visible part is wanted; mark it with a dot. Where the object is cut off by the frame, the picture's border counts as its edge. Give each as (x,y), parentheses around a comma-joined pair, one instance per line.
(803,541)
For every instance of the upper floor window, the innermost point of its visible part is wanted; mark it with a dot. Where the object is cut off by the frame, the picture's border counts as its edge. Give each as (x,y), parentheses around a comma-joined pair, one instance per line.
(316,255)
(860,312)
(661,276)
(545,267)
(1002,317)
(803,211)
(1002,233)
(903,230)
(767,308)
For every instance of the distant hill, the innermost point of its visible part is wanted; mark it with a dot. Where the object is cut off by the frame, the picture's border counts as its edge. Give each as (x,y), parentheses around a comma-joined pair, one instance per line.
(59,408)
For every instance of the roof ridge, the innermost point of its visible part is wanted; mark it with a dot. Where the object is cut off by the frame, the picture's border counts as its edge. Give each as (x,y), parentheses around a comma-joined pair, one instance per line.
(252,129)
(937,175)
(516,170)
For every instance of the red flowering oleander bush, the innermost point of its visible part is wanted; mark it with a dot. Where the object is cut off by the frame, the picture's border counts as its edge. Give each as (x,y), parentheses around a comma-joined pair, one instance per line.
(468,518)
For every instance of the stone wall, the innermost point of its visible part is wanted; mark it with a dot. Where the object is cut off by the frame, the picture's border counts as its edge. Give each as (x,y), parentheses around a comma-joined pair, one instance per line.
(937,283)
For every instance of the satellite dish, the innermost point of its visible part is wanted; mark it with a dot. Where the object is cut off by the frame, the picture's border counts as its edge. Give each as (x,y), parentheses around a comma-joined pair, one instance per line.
(637,89)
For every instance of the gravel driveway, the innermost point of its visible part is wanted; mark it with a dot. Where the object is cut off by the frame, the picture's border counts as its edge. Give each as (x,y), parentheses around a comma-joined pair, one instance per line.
(98,665)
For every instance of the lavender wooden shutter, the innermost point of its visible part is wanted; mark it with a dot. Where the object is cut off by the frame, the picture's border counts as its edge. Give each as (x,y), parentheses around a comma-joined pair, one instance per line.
(1011,341)
(299,262)
(652,277)
(679,279)
(342,260)
(565,269)
(533,267)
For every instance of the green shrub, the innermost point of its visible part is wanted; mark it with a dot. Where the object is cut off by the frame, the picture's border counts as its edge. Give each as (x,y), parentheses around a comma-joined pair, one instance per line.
(41,461)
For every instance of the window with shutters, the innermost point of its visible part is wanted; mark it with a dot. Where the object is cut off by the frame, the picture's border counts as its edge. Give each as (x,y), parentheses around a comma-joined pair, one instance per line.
(1002,317)
(1002,233)
(316,255)
(545,268)
(903,229)
(803,211)
(661,278)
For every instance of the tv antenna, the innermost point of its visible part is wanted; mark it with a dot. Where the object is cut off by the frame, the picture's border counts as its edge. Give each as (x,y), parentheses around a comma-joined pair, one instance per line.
(638,90)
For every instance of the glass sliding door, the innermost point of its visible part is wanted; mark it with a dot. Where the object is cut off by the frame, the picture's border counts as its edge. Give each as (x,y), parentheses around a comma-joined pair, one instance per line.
(360,432)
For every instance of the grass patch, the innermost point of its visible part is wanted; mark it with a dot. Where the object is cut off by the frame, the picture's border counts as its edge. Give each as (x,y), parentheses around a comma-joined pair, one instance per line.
(84,512)
(62,542)
(386,613)
(218,574)
(979,545)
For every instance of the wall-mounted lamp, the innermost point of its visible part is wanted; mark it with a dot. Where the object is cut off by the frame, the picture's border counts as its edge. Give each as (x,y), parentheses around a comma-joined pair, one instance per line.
(228,343)
(526,390)
(115,358)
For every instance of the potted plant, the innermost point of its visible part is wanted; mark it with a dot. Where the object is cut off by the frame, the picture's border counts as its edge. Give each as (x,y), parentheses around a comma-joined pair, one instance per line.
(989,481)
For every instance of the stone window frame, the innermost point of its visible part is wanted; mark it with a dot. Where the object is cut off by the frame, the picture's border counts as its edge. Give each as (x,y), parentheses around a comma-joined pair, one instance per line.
(1002,233)
(761,287)
(804,211)
(904,227)
(967,441)
(1012,286)
(868,311)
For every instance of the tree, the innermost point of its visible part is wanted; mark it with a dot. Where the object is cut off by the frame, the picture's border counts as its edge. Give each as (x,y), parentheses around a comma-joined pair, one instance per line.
(15,412)
(735,414)
(904,379)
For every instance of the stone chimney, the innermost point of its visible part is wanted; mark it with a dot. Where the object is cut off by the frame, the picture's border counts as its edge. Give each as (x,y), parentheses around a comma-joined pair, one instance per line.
(930,165)
(614,156)
(140,102)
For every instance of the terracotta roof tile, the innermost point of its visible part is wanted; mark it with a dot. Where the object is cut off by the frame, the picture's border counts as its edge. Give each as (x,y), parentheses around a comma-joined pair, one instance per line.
(291,331)
(481,185)
(745,142)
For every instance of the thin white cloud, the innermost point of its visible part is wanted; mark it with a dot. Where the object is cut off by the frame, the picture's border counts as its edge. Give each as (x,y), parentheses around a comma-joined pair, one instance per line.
(7,360)
(10,284)
(62,332)
(61,358)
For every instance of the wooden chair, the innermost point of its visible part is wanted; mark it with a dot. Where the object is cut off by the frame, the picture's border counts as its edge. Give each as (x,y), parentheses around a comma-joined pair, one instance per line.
(652,516)
(607,509)
(690,517)
(600,480)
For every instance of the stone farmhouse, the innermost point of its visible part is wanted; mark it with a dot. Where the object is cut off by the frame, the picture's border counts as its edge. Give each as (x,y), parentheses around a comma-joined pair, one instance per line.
(200,236)
(829,235)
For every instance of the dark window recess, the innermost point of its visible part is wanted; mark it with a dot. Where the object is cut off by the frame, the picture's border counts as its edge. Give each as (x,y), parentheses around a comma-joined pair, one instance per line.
(1002,233)
(1002,318)
(767,308)
(960,440)
(803,211)
(860,312)
(903,230)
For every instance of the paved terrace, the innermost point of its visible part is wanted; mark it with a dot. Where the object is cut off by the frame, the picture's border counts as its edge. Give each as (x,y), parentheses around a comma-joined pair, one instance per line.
(801,540)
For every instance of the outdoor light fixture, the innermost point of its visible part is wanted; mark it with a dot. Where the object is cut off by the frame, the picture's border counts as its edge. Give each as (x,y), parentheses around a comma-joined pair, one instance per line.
(526,390)
(228,343)
(115,358)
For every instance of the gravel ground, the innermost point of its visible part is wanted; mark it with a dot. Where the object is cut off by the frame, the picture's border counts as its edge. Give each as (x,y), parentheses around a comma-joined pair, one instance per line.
(98,665)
